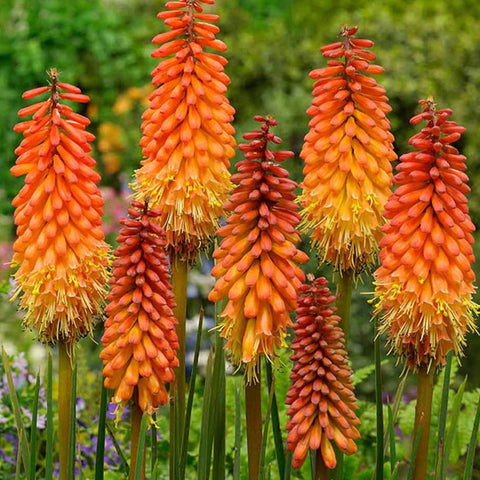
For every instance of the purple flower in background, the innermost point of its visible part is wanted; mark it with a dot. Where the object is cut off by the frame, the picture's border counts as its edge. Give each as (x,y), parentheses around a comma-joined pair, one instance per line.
(6,458)
(41,419)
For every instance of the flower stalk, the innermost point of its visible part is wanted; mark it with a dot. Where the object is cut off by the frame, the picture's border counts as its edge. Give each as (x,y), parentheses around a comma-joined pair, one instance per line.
(253,410)
(179,270)
(423,414)
(65,380)
(136,422)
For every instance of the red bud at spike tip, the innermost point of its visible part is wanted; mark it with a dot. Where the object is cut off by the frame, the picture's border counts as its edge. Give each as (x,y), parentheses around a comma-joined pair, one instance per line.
(424,285)
(347,153)
(140,339)
(322,402)
(257,259)
(187,130)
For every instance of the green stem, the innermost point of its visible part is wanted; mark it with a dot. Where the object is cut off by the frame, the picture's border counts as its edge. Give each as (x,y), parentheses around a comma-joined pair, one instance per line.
(344,300)
(253,410)
(177,412)
(136,421)
(423,413)
(277,430)
(378,406)
(65,377)
(343,304)
(321,470)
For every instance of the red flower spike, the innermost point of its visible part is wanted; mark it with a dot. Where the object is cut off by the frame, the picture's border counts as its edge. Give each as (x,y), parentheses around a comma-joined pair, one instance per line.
(187,132)
(347,153)
(322,402)
(424,285)
(140,340)
(257,259)
(60,251)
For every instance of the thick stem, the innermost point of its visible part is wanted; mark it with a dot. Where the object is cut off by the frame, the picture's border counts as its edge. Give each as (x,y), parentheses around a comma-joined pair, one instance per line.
(378,405)
(423,413)
(321,470)
(344,300)
(136,421)
(177,411)
(277,430)
(65,377)
(253,410)
(343,303)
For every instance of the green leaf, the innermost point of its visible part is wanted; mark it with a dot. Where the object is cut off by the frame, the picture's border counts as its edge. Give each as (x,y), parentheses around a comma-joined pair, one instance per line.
(442,422)
(49,399)
(191,392)
(457,403)
(206,438)
(102,418)
(277,431)
(471,446)
(238,433)
(17,413)
(141,448)
(33,430)
(73,424)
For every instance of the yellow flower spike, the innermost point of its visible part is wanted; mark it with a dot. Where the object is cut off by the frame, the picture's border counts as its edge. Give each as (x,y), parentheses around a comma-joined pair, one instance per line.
(424,285)
(187,133)
(60,252)
(347,153)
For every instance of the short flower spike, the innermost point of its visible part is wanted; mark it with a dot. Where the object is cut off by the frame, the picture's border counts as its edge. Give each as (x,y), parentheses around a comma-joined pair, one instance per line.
(256,267)
(322,402)
(347,153)
(140,339)
(187,132)
(424,285)
(60,251)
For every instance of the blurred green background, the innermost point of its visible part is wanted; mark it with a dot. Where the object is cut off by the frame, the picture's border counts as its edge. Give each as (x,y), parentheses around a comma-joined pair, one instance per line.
(103,46)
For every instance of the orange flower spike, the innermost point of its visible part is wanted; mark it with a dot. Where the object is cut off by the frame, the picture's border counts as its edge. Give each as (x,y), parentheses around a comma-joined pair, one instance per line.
(257,259)
(322,402)
(424,285)
(347,153)
(187,132)
(140,339)
(60,252)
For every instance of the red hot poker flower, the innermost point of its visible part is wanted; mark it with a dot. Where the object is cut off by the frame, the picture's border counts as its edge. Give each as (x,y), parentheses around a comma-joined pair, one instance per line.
(257,259)
(140,339)
(60,251)
(424,285)
(322,402)
(347,155)
(187,133)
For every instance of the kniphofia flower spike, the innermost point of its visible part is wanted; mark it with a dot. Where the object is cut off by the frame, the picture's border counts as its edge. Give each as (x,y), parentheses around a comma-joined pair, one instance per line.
(187,133)
(424,285)
(322,402)
(140,339)
(347,153)
(60,251)
(257,260)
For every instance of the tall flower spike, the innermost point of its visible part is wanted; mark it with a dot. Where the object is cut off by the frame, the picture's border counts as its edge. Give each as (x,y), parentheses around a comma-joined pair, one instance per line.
(257,260)
(187,133)
(322,402)
(347,153)
(60,251)
(140,339)
(424,285)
